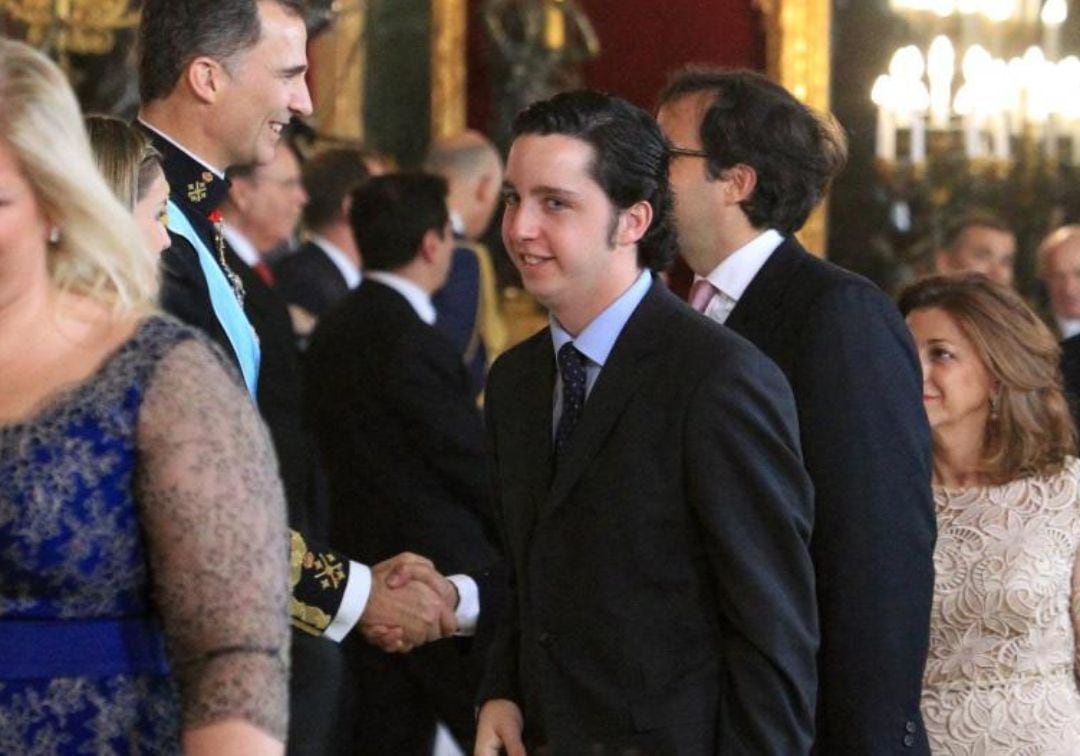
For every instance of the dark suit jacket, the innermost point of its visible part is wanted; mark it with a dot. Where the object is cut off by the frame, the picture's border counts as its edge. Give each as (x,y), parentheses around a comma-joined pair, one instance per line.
(458,306)
(858,386)
(400,436)
(663,593)
(310,279)
(280,399)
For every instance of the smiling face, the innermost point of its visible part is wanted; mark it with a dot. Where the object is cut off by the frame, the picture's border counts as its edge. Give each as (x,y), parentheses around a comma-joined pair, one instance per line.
(956,384)
(562,231)
(150,214)
(264,88)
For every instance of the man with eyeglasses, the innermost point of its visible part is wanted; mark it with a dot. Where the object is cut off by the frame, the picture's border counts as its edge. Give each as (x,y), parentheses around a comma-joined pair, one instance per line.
(749,163)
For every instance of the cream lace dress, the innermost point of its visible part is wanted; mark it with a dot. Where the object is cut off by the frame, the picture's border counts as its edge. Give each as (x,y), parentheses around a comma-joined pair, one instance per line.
(1001,674)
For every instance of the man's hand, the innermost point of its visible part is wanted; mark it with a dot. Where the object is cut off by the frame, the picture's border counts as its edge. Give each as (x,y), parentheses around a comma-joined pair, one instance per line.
(410,604)
(498,729)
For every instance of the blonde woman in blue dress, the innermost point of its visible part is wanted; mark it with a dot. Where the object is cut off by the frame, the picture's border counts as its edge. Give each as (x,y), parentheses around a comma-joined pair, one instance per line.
(143,572)
(1001,674)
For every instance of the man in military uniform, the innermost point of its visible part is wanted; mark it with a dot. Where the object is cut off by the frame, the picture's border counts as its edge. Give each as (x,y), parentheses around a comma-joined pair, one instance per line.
(219,80)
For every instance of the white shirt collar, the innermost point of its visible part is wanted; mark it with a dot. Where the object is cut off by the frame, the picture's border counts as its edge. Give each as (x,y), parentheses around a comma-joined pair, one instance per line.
(457,223)
(598,338)
(419,299)
(217,172)
(738,269)
(241,245)
(349,271)
(1068,327)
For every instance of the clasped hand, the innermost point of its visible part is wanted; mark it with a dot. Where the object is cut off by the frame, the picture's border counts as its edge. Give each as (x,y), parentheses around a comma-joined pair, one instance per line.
(410,604)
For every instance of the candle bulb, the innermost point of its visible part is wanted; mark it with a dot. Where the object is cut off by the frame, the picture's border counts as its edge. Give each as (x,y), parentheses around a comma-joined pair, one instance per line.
(883,97)
(1053,16)
(940,67)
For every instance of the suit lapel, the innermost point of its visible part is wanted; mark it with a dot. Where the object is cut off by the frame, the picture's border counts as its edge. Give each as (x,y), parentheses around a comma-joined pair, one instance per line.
(328,270)
(534,390)
(627,367)
(757,312)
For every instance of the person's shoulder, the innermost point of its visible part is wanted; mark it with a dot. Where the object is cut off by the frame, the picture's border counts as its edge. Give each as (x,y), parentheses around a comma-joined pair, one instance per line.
(694,341)
(301,261)
(522,355)
(821,283)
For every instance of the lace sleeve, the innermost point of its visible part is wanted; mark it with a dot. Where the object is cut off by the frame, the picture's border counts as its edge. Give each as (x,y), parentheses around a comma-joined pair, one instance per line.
(214,516)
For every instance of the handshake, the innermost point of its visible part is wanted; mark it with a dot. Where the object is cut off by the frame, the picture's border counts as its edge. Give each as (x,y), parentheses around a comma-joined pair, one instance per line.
(409,605)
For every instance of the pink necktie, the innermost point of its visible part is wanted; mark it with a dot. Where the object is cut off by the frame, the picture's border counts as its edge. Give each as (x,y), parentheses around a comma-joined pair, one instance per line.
(701,293)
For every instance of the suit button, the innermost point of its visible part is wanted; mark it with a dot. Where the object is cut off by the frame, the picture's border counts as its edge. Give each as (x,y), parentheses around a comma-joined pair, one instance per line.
(909,740)
(544,639)
(910,727)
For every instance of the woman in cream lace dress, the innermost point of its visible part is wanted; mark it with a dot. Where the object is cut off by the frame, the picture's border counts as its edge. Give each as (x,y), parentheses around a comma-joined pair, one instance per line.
(1001,673)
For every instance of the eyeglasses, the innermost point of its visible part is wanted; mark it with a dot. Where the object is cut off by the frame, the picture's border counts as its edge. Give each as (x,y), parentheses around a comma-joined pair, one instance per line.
(686,152)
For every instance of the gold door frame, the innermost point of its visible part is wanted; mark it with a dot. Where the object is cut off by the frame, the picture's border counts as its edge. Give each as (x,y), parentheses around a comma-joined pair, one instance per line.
(337,82)
(448,41)
(798,43)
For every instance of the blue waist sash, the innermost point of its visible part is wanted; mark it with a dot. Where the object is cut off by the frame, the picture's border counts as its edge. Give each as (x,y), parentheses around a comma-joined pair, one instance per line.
(31,649)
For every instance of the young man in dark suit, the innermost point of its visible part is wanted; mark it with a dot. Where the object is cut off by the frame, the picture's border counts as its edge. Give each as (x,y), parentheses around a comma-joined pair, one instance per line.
(391,405)
(749,163)
(653,504)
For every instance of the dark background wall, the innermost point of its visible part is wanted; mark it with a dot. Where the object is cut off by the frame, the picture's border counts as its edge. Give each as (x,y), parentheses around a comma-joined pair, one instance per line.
(641,42)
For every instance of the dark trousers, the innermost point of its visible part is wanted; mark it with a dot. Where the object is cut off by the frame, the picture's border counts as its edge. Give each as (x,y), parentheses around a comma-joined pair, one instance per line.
(317,697)
(399,698)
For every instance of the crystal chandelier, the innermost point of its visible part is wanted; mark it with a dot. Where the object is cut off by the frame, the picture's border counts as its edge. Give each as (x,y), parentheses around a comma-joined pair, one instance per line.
(967,90)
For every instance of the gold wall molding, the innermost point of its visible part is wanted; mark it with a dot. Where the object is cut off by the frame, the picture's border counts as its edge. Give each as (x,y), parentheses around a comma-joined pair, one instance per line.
(448,26)
(338,59)
(798,43)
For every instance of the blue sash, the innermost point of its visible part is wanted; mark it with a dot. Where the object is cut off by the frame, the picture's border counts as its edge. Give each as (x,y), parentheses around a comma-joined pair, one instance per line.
(34,649)
(227,309)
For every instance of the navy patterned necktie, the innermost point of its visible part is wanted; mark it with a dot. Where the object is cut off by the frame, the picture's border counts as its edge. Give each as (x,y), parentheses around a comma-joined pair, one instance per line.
(572,368)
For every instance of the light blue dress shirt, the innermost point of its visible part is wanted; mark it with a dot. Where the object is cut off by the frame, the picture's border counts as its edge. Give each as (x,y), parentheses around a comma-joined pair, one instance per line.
(598,338)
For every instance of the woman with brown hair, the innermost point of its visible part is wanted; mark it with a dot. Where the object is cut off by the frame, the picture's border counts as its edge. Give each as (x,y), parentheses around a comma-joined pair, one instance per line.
(1001,675)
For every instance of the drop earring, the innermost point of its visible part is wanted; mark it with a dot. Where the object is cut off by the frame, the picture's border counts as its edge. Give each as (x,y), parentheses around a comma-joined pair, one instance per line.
(54,235)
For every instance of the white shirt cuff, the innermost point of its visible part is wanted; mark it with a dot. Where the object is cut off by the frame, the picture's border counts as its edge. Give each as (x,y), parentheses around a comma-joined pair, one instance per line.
(353,602)
(468,608)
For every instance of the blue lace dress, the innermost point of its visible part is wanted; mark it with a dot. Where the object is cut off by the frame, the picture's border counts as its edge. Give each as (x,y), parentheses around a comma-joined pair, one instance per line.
(143,570)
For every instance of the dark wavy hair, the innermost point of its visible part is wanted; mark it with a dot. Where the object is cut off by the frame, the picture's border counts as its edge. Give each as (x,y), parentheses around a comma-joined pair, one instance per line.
(329,178)
(390,215)
(630,163)
(1033,431)
(172,33)
(794,151)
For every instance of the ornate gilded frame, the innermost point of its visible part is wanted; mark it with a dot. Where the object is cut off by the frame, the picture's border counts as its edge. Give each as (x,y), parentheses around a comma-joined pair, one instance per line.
(798,36)
(337,80)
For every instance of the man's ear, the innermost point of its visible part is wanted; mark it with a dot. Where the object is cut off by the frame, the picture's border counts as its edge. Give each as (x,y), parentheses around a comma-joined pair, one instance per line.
(240,190)
(429,245)
(486,185)
(740,181)
(206,78)
(634,221)
(346,207)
